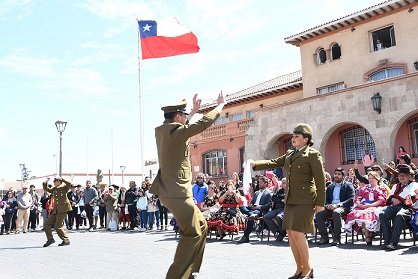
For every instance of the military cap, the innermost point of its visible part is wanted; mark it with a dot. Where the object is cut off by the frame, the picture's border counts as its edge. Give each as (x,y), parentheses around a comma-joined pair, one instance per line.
(57,178)
(303,128)
(405,169)
(179,107)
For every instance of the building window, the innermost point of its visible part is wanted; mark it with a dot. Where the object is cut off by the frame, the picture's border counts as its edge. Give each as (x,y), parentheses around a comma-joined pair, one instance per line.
(386,73)
(321,56)
(382,38)
(331,88)
(335,51)
(236,117)
(215,163)
(354,142)
(221,120)
(250,114)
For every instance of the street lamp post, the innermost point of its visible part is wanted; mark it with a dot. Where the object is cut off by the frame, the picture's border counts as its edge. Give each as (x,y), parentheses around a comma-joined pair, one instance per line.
(122,169)
(56,166)
(60,128)
(23,169)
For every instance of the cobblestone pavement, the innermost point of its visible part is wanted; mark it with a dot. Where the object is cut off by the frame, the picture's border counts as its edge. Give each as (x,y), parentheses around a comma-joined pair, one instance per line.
(129,254)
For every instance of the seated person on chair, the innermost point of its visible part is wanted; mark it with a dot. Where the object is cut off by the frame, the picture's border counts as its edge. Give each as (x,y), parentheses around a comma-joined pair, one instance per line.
(228,218)
(398,210)
(210,205)
(367,205)
(339,199)
(277,212)
(260,205)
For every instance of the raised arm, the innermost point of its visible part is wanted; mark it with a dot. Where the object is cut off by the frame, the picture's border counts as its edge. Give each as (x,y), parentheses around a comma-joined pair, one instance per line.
(46,187)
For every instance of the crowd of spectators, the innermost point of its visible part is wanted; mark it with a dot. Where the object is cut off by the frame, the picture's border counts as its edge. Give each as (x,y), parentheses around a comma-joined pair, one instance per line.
(93,207)
(383,199)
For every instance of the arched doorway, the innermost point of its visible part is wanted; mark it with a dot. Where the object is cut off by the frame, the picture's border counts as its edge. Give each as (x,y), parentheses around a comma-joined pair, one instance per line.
(407,137)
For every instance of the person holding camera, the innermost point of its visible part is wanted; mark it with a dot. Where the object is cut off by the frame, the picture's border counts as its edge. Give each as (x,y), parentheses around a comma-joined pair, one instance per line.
(228,217)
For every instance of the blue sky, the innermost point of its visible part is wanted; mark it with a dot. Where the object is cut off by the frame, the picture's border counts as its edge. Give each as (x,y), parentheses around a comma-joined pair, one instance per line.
(77,61)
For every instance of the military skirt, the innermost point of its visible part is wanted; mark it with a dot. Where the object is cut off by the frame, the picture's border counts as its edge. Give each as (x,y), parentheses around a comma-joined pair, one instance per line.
(299,217)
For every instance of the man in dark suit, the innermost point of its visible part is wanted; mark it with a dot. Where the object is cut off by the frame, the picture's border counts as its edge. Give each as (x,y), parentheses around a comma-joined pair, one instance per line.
(260,205)
(173,182)
(339,199)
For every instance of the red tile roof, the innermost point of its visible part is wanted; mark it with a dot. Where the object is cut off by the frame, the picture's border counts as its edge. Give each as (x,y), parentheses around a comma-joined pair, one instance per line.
(349,20)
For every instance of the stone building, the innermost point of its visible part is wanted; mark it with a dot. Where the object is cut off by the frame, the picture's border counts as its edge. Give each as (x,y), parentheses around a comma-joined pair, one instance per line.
(358,89)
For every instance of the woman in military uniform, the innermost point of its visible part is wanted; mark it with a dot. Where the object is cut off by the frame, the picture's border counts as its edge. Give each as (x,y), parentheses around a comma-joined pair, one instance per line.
(60,207)
(305,193)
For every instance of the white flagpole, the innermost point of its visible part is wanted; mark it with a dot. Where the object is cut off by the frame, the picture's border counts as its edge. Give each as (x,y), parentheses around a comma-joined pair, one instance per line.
(141,104)
(111,143)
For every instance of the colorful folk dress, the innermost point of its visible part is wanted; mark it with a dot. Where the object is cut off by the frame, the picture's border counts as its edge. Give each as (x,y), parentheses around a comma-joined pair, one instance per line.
(368,216)
(228,217)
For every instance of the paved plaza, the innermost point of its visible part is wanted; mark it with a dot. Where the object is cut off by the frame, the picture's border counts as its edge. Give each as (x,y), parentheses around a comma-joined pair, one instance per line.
(129,254)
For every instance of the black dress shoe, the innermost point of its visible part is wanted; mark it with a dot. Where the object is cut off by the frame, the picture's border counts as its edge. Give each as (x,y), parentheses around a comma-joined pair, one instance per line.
(49,242)
(244,239)
(335,242)
(391,247)
(296,276)
(64,243)
(280,237)
(307,276)
(323,241)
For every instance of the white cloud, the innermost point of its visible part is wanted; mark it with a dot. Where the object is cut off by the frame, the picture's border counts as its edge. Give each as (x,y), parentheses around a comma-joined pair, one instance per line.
(112,9)
(85,81)
(182,71)
(15,9)
(94,52)
(124,12)
(56,75)
(4,134)
(20,61)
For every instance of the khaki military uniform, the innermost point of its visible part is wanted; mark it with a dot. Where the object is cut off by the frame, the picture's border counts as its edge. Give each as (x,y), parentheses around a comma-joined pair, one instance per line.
(173,185)
(305,185)
(61,207)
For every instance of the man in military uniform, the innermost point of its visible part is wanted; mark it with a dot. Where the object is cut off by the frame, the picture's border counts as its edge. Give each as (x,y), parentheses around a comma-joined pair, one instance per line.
(173,182)
(60,208)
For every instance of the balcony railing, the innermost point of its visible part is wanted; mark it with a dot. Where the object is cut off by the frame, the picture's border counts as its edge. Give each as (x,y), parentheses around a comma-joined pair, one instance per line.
(214,132)
(228,129)
(244,125)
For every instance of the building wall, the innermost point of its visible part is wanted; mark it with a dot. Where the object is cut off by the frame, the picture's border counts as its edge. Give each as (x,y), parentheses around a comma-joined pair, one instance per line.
(327,113)
(232,149)
(234,138)
(330,113)
(357,57)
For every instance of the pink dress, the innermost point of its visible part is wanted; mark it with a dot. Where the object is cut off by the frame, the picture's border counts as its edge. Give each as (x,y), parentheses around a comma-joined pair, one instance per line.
(369,216)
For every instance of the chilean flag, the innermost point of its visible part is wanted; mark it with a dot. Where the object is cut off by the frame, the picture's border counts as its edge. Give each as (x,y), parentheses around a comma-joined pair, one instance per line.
(166,38)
